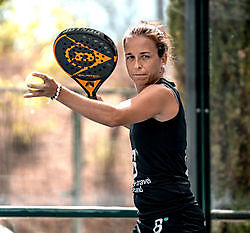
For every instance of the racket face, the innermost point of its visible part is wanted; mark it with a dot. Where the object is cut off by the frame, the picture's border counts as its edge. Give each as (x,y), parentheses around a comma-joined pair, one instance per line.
(87,55)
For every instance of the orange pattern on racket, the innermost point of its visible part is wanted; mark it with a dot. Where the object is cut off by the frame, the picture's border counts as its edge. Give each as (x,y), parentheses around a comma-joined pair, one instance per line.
(86,55)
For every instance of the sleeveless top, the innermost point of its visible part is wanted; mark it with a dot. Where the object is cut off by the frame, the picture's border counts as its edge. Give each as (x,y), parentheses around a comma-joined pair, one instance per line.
(161,186)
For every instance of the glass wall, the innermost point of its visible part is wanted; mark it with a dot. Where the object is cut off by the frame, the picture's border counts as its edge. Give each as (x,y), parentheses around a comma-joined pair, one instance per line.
(229,70)
(40,161)
(230,109)
(66,225)
(39,164)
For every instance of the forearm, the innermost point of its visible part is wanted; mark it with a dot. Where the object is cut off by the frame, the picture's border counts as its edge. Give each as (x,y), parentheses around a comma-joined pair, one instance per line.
(95,110)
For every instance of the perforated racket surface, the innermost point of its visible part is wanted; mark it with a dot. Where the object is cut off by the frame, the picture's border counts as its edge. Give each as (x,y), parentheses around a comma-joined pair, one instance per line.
(86,55)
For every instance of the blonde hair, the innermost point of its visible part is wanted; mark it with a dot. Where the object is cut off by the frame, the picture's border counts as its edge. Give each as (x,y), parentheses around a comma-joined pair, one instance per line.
(153,31)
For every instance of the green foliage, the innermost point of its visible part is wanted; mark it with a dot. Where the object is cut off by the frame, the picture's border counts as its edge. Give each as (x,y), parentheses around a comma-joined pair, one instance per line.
(25,47)
(231,227)
(176,22)
(2,4)
(230,88)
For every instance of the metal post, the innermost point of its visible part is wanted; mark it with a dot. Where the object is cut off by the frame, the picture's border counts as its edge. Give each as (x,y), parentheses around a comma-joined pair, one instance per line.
(202,84)
(160,10)
(77,168)
(197,81)
(190,41)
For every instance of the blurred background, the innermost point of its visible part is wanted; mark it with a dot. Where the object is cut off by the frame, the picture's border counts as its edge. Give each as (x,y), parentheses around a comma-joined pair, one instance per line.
(50,155)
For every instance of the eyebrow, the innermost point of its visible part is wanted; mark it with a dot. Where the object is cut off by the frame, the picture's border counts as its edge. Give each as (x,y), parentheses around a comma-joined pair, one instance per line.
(142,53)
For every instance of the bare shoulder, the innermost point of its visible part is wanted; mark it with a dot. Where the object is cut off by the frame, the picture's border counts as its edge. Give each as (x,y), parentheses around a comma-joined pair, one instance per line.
(154,101)
(159,92)
(167,100)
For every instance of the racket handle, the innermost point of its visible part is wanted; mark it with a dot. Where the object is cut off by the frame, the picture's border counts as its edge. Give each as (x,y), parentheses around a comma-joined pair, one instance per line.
(93,97)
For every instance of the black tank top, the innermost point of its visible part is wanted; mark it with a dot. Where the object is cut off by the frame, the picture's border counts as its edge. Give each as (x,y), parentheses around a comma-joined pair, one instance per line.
(161,186)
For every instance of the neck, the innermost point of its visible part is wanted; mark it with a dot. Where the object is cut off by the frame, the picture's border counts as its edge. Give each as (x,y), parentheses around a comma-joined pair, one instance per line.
(139,88)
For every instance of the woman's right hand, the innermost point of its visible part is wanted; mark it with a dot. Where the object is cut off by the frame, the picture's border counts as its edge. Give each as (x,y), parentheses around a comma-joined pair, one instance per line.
(47,89)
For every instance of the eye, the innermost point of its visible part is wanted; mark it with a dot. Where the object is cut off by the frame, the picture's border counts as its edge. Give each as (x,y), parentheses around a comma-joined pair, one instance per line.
(145,57)
(129,57)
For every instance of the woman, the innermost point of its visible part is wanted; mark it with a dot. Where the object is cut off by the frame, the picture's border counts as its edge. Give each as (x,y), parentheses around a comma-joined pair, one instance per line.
(157,132)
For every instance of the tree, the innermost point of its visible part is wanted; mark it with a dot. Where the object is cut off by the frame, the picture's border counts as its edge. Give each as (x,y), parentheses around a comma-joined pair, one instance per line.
(230,88)
(176,22)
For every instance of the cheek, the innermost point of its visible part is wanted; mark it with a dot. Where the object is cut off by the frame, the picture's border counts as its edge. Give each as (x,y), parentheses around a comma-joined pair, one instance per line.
(128,67)
(155,68)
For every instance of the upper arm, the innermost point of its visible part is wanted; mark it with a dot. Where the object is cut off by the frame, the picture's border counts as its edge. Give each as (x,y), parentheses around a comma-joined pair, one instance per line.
(153,101)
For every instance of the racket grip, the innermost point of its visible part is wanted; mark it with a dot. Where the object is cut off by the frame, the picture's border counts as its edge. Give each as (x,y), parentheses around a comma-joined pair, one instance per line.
(92,97)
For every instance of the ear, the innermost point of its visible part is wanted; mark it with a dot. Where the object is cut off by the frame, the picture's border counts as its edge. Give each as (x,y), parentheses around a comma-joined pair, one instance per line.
(164,59)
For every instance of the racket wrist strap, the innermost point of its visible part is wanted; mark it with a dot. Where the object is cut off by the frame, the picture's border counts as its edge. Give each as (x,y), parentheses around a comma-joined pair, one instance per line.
(58,90)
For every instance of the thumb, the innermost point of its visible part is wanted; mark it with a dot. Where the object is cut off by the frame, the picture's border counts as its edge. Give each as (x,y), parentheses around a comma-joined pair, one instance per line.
(99,98)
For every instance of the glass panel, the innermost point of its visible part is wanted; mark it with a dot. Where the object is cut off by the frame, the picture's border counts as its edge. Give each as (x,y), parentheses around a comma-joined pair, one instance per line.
(230,106)
(55,225)
(230,226)
(37,163)
(97,225)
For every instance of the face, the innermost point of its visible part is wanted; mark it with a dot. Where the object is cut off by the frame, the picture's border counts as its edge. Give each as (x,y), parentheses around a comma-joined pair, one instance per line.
(142,60)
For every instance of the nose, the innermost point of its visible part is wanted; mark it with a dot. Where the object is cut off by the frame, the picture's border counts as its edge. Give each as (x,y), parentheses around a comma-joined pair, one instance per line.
(137,64)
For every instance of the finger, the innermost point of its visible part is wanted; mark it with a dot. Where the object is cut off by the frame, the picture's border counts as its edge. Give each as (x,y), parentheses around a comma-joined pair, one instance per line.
(28,95)
(99,98)
(31,94)
(40,75)
(35,86)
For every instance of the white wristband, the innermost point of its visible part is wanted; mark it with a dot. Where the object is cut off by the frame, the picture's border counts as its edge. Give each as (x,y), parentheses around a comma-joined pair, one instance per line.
(58,90)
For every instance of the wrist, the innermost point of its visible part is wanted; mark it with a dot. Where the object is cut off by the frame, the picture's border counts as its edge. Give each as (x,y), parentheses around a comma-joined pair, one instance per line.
(57,93)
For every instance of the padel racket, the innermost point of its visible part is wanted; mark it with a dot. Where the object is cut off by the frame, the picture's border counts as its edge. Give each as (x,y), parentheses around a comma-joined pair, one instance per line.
(86,55)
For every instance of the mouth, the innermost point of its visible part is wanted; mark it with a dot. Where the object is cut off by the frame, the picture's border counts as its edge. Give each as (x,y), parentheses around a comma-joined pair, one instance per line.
(139,75)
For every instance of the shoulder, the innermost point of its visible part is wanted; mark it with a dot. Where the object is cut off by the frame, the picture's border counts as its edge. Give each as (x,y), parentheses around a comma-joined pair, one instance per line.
(158,92)
(165,99)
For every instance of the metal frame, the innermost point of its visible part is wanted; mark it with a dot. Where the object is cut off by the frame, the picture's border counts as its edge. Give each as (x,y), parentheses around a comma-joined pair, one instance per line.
(202,88)
(197,94)
(68,211)
(98,212)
